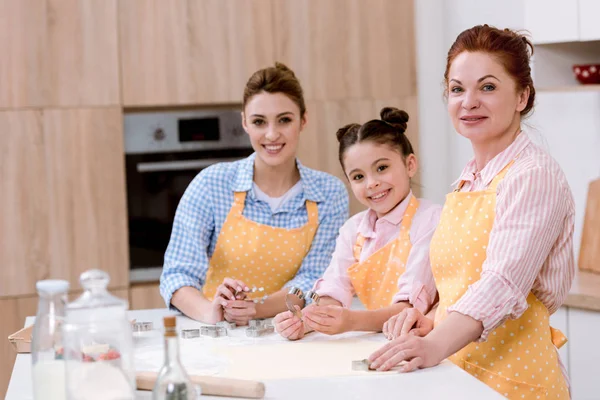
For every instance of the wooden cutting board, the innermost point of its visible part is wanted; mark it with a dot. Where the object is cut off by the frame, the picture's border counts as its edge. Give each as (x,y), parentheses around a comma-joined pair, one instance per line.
(589,252)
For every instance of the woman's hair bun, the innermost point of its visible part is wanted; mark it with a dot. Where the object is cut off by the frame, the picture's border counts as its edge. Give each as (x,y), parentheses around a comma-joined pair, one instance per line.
(284,68)
(344,130)
(395,117)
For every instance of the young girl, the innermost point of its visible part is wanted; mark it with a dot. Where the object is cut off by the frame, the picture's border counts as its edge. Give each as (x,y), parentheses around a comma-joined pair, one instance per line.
(382,254)
(265,221)
(502,255)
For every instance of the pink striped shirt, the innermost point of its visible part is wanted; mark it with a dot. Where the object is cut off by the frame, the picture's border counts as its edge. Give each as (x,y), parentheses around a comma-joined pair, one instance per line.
(416,285)
(531,243)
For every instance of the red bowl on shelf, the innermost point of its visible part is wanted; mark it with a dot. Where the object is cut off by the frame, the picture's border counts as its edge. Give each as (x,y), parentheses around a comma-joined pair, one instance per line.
(587,73)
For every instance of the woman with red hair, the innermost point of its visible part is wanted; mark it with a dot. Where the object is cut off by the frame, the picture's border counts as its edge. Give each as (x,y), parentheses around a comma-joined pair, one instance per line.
(502,255)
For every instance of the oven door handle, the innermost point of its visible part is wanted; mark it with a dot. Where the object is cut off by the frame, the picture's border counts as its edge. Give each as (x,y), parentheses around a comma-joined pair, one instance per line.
(161,166)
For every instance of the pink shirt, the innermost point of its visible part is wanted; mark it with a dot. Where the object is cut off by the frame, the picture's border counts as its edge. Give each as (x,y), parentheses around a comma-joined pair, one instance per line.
(531,243)
(416,285)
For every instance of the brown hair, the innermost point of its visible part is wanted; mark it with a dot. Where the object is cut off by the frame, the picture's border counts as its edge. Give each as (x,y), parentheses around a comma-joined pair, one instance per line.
(277,79)
(512,49)
(387,130)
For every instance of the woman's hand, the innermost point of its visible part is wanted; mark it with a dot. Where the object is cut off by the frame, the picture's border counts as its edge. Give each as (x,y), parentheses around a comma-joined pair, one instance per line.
(418,352)
(225,291)
(289,325)
(330,319)
(408,321)
(239,311)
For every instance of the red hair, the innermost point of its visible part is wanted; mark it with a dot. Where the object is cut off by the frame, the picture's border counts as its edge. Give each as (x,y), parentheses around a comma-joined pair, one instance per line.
(512,49)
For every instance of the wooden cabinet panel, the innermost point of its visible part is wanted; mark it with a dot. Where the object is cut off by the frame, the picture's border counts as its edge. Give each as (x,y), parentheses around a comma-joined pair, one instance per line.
(348,48)
(589,29)
(12,314)
(190,51)
(24,219)
(88,218)
(318,146)
(82,67)
(551,21)
(145,296)
(22,43)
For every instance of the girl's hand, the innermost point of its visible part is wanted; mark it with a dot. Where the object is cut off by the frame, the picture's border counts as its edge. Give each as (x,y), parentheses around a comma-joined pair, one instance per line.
(409,321)
(418,352)
(331,319)
(289,326)
(239,311)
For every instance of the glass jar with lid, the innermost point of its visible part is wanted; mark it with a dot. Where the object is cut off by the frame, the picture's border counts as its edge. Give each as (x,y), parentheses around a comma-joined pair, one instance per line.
(98,343)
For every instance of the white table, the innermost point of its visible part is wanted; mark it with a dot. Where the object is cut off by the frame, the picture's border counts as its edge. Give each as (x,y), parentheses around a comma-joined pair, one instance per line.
(445,381)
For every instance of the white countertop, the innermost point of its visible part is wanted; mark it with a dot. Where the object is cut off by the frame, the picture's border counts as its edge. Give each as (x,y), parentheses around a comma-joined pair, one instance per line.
(445,381)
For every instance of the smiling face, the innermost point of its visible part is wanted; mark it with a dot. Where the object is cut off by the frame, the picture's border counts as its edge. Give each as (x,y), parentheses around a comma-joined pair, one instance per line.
(484,103)
(379,176)
(273,122)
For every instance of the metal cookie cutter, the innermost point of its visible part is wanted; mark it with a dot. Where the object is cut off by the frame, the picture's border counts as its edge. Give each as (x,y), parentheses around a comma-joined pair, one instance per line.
(312,296)
(213,331)
(361,365)
(190,333)
(294,291)
(226,324)
(260,331)
(142,326)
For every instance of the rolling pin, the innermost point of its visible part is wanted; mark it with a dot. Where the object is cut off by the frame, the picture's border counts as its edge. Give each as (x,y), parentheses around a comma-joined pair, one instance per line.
(211,385)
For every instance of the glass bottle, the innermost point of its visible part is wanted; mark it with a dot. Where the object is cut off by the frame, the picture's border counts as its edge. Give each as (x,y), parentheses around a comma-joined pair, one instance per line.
(98,343)
(48,369)
(173,383)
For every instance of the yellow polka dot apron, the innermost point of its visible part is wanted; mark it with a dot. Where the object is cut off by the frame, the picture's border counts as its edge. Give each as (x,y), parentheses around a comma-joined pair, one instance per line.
(257,254)
(375,280)
(519,359)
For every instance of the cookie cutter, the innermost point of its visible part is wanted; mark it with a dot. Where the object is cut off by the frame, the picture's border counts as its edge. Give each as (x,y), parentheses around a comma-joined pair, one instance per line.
(213,331)
(226,324)
(260,331)
(312,296)
(190,333)
(294,291)
(142,326)
(361,365)
(260,323)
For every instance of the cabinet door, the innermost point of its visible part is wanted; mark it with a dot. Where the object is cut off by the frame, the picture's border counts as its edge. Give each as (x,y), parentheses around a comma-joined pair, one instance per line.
(326,117)
(24,215)
(189,51)
(584,353)
(86,180)
(551,21)
(12,314)
(560,320)
(344,49)
(589,26)
(22,44)
(81,66)
(145,296)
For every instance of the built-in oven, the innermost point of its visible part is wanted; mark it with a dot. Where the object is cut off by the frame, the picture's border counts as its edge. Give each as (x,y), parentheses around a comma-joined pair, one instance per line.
(164,151)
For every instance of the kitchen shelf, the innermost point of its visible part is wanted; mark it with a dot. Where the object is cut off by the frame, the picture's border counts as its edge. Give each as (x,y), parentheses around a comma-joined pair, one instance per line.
(567,88)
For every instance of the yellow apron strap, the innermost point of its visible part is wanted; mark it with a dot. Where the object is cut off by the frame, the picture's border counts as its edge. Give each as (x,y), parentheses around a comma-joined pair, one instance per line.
(558,338)
(500,176)
(358,246)
(409,214)
(313,212)
(238,203)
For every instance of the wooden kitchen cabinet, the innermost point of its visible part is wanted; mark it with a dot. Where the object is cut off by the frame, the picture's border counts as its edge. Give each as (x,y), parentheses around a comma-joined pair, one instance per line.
(318,146)
(81,62)
(25,222)
(145,296)
(176,52)
(589,28)
(58,53)
(22,61)
(87,201)
(348,49)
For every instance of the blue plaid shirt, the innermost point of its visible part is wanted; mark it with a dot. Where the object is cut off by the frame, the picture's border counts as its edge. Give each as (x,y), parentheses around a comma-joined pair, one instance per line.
(207,201)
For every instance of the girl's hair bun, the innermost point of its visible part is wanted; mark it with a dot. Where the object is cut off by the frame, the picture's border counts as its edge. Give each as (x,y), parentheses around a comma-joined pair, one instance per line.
(395,117)
(344,130)
(284,68)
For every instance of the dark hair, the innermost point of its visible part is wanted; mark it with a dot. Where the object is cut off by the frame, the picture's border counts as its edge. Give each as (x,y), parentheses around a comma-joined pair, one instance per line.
(277,79)
(512,49)
(387,130)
